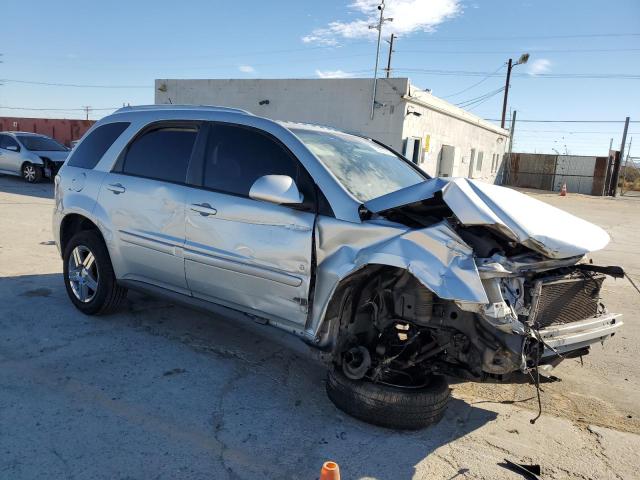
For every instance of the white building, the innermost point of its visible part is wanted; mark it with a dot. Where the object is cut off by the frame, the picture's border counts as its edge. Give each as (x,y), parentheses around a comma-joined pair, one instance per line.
(443,139)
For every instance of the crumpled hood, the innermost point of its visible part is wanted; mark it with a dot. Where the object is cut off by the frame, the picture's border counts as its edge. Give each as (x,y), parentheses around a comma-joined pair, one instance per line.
(535,224)
(55,156)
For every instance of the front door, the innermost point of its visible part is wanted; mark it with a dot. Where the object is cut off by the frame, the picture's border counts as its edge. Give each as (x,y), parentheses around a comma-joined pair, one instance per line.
(10,160)
(144,197)
(447,161)
(248,254)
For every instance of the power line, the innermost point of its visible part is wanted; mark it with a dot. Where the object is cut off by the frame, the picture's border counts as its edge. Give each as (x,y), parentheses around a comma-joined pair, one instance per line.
(475,84)
(56,109)
(568,121)
(77,85)
(570,132)
(485,96)
(467,73)
(509,52)
(533,37)
(471,106)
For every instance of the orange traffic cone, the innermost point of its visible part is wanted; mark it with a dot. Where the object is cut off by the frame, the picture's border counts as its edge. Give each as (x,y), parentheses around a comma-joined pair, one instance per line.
(330,471)
(563,190)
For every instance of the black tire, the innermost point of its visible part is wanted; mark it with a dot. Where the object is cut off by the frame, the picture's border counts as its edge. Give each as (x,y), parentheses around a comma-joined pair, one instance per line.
(386,406)
(108,294)
(32,173)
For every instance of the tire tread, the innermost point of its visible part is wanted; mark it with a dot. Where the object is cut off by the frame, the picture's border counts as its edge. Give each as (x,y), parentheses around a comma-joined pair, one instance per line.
(388,406)
(115,293)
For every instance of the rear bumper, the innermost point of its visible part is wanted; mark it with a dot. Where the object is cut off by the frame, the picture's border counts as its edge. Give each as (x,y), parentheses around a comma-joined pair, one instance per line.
(577,335)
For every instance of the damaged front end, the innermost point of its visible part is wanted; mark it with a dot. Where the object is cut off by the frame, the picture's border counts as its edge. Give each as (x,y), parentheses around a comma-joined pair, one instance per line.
(469,289)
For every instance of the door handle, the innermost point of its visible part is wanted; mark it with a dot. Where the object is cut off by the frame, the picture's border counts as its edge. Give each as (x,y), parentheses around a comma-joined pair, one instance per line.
(203,209)
(116,188)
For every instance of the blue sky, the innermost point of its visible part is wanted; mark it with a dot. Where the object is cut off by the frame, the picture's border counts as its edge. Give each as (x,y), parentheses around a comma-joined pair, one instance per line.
(130,43)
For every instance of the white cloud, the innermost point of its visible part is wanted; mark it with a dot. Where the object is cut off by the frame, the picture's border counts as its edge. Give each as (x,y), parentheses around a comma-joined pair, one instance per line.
(246,69)
(541,65)
(409,16)
(333,74)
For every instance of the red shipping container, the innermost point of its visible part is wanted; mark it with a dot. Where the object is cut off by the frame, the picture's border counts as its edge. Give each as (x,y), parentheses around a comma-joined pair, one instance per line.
(63,130)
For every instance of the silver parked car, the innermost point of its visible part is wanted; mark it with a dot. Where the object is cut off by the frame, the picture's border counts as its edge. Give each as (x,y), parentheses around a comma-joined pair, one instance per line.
(398,278)
(30,155)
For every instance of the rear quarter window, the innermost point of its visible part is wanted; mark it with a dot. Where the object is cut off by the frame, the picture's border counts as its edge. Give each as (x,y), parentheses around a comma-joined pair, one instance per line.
(91,150)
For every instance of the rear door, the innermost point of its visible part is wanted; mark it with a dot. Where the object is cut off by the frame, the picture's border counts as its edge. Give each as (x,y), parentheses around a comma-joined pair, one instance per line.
(144,198)
(248,254)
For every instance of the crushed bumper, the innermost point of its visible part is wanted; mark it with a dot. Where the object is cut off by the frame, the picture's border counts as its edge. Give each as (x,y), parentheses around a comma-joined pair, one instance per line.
(576,335)
(51,167)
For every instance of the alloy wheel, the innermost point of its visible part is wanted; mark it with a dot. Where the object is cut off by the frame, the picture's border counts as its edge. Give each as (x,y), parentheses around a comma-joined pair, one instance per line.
(29,173)
(83,273)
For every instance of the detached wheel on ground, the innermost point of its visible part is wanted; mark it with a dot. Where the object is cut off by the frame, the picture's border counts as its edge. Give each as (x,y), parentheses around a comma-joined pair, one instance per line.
(387,406)
(88,275)
(32,173)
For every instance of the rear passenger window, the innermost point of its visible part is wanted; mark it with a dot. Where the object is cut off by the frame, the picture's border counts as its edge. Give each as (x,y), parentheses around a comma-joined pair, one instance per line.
(91,150)
(237,156)
(161,154)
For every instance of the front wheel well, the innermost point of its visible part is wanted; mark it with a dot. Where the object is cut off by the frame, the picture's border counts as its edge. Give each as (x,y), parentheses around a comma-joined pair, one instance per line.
(72,224)
(347,295)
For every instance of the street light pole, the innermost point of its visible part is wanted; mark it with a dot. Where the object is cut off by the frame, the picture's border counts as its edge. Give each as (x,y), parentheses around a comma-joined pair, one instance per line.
(506,93)
(522,60)
(375,72)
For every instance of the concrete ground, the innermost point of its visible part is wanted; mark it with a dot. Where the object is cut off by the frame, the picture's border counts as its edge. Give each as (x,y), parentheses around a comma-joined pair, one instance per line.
(159,391)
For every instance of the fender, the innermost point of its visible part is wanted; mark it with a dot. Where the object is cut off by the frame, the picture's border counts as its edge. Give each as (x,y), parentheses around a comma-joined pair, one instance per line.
(438,258)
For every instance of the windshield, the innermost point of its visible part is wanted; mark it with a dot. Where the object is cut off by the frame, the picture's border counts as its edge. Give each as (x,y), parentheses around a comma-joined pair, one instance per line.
(367,170)
(41,144)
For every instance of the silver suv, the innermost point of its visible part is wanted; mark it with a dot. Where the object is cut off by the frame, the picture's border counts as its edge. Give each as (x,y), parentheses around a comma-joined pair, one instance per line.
(398,278)
(30,155)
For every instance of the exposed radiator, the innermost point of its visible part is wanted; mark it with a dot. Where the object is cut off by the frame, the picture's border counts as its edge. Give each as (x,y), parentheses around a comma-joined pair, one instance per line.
(565,299)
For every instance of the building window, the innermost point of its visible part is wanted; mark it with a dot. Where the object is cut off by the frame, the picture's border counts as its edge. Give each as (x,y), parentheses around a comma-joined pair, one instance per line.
(479,162)
(472,162)
(412,149)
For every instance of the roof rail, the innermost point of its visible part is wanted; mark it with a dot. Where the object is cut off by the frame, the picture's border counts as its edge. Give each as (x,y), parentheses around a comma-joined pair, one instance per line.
(140,108)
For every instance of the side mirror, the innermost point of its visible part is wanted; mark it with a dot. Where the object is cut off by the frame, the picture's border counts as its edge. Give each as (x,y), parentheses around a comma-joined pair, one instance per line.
(13,148)
(278,189)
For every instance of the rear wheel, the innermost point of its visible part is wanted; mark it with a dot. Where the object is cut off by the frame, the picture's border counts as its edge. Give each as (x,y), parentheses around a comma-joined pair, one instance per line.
(389,406)
(32,173)
(88,274)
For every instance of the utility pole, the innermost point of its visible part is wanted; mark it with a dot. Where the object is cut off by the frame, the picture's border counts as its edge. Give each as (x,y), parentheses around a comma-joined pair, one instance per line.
(390,42)
(626,166)
(513,129)
(375,72)
(522,60)
(605,185)
(616,168)
(86,111)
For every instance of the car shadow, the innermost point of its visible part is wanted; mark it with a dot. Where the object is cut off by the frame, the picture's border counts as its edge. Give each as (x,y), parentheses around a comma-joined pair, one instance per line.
(156,384)
(17,186)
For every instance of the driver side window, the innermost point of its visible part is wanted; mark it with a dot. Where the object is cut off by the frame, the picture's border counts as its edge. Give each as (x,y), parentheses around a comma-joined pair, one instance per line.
(236,156)
(7,141)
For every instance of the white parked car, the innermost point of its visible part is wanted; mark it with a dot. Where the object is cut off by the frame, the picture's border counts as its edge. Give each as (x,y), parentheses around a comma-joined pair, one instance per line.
(30,155)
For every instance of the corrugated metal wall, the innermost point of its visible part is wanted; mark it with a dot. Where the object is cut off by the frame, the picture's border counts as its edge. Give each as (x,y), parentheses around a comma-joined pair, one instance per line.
(529,170)
(576,171)
(582,174)
(62,130)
